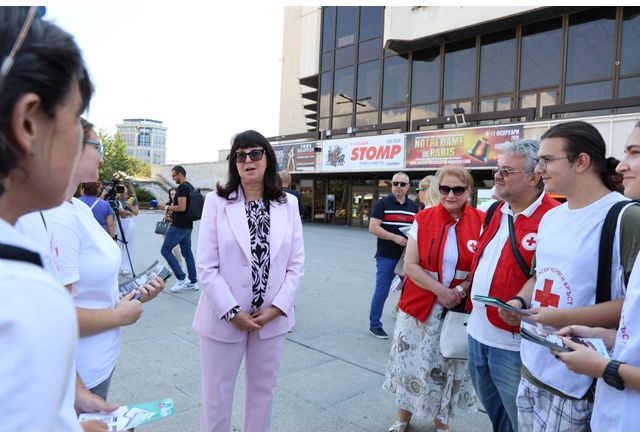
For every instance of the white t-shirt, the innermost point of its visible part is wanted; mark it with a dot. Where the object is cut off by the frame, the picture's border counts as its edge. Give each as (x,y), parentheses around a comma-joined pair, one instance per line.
(479,326)
(566,271)
(32,225)
(90,260)
(615,410)
(38,338)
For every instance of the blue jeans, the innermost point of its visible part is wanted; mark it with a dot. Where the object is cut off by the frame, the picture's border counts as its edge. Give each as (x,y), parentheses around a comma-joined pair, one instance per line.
(384,277)
(495,374)
(174,237)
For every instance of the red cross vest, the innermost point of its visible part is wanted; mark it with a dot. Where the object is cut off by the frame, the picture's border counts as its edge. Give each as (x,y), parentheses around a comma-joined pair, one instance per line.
(433,227)
(508,278)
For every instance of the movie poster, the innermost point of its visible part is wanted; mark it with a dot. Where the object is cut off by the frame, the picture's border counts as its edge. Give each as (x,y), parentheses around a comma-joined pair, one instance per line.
(363,153)
(296,157)
(470,147)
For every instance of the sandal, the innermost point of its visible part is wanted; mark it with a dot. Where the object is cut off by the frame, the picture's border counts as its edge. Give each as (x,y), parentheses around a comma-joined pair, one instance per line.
(398,426)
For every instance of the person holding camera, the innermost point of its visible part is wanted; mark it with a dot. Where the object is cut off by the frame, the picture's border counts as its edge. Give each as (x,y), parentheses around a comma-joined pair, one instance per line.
(128,203)
(89,264)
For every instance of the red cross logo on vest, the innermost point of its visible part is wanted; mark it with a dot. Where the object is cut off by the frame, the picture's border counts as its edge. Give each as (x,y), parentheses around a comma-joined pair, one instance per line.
(546,297)
(529,241)
(472,245)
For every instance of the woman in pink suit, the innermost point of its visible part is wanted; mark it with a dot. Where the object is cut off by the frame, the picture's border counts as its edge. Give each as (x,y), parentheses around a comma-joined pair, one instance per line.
(250,262)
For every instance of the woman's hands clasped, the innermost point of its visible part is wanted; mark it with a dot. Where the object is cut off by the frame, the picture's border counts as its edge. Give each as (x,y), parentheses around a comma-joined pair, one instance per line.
(251,322)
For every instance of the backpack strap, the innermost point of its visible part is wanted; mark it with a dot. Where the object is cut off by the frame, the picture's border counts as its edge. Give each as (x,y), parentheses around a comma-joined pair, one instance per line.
(605,253)
(490,211)
(19,254)
(94,204)
(514,248)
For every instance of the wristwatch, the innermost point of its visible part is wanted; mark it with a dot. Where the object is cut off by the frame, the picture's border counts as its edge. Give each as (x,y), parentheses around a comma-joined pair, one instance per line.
(460,291)
(611,375)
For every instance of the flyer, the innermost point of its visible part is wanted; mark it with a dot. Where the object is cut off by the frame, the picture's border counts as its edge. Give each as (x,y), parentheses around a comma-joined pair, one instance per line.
(130,416)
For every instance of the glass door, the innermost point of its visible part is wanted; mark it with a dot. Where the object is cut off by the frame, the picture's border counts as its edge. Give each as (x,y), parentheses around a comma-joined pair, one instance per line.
(361,202)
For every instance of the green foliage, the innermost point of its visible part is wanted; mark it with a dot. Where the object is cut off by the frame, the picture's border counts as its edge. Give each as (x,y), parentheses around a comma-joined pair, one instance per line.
(116,160)
(144,196)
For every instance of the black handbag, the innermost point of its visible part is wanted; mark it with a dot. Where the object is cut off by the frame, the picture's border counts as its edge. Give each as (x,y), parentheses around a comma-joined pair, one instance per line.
(162,227)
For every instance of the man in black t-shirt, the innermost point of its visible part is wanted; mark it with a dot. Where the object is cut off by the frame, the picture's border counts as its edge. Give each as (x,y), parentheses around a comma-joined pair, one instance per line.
(179,233)
(389,214)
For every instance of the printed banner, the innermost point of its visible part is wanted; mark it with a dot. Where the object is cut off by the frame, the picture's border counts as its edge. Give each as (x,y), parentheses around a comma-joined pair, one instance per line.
(296,157)
(363,153)
(471,147)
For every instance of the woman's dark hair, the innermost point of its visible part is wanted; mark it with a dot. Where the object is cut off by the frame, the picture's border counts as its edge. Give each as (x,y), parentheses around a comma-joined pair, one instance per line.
(582,137)
(87,127)
(46,64)
(90,188)
(250,139)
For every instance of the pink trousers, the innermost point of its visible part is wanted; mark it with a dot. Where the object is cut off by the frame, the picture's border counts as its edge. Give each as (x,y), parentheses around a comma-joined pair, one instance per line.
(220,363)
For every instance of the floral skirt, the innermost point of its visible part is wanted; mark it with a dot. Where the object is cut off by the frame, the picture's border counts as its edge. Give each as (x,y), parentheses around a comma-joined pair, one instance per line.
(424,382)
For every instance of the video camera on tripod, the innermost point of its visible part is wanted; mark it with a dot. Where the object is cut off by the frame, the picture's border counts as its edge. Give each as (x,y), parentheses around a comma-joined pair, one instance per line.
(114,187)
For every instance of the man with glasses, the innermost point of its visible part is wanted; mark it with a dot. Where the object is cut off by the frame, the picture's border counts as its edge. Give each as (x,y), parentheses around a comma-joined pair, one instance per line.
(179,233)
(494,346)
(389,215)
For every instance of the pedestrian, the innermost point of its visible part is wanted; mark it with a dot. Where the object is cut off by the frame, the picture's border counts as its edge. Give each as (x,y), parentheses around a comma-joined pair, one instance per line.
(286,186)
(428,194)
(389,214)
(571,162)
(101,209)
(618,389)
(251,260)
(494,346)
(128,211)
(179,233)
(44,87)
(442,242)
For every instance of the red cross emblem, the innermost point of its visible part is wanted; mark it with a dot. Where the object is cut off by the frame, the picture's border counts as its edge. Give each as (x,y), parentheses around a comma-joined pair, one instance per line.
(529,241)
(546,297)
(472,245)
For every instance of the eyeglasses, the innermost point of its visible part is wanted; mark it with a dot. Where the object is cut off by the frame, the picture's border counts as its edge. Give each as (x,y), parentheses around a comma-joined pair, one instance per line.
(457,190)
(543,161)
(8,61)
(99,146)
(506,172)
(399,183)
(255,155)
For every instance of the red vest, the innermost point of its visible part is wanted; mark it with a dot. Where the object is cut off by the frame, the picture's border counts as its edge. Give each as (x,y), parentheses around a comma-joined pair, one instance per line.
(433,227)
(508,278)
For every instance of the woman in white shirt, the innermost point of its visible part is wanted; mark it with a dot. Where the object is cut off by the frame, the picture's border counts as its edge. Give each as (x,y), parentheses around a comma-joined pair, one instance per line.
(618,392)
(89,264)
(44,87)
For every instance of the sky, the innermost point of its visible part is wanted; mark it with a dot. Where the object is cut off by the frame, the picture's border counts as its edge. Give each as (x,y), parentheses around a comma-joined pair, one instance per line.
(207,70)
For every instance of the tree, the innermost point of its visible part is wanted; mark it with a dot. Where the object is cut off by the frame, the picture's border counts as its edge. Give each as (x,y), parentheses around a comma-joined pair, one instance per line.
(116,160)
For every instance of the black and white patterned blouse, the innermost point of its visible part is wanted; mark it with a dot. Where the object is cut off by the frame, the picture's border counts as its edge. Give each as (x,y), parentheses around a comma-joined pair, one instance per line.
(259,225)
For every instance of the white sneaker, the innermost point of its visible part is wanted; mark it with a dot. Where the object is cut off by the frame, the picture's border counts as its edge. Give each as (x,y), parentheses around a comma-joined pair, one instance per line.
(192,286)
(180,285)
(125,272)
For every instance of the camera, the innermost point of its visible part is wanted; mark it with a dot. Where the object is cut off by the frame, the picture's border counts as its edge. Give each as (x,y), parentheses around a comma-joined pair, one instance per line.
(113,187)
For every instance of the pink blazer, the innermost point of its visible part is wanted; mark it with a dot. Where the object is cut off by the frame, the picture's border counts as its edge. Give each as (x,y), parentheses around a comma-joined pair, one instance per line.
(224,266)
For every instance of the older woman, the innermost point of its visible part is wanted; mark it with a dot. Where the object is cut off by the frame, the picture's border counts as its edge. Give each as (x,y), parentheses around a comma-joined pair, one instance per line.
(44,87)
(428,194)
(250,262)
(440,250)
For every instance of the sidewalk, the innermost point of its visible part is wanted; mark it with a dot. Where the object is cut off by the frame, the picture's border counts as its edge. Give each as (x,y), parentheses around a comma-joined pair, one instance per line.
(332,371)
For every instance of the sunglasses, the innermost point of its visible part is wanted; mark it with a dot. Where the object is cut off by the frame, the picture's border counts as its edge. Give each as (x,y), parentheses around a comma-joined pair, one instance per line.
(399,183)
(99,146)
(457,190)
(34,11)
(255,155)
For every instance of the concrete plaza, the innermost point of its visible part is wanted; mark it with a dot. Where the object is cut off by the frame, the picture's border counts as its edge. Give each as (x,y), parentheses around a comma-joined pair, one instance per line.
(332,371)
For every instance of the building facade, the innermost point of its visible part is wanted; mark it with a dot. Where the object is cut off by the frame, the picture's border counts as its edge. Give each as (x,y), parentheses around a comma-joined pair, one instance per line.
(146,139)
(370,91)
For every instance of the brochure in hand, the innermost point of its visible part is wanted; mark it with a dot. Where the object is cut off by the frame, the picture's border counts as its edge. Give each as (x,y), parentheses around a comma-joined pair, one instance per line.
(156,269)
(546,336)
(497,303)
(134,415)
